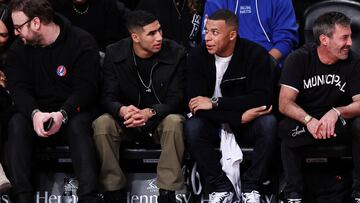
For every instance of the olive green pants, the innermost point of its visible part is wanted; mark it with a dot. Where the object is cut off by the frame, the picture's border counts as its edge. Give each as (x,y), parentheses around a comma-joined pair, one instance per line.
(169,133)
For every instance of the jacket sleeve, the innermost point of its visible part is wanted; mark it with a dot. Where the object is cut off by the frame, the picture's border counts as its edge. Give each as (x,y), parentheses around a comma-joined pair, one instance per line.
(20,84)
(284,29)
(85,78)
(110,86)
(175,92)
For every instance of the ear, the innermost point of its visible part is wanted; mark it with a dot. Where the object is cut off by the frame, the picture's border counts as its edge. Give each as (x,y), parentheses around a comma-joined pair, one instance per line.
(324,40)
(135,37)
(233,35)
(35,23)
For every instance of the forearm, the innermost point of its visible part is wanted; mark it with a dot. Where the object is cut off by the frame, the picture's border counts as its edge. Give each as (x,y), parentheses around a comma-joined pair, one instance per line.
(294,111)
(349,111)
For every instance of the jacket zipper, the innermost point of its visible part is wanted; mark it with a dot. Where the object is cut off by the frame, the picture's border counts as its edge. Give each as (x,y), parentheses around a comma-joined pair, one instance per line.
(230,80)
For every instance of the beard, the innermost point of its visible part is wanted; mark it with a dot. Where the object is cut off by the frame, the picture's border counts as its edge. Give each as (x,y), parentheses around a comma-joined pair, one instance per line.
(34,40)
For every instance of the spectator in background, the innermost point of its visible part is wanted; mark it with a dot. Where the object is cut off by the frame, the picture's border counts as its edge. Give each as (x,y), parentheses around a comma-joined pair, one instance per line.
(269,23)
(53,71)
(104,19)
(320,97)
(180,19)
(143,95)
(229,85)
(6,39)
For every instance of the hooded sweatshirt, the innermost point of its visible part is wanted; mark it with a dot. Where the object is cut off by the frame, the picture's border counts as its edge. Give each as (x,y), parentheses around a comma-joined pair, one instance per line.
(277,19)
(62,75)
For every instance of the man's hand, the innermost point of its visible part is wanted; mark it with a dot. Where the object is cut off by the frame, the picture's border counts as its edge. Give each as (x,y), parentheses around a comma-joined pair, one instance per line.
(253,113)
(314,127)
(39,118)
(328,122)
(58,118)
(125,112)
(133,116)
(200,103)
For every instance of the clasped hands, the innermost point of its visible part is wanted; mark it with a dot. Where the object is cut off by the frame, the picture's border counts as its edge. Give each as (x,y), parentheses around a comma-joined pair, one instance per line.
(325,127)
(134,117)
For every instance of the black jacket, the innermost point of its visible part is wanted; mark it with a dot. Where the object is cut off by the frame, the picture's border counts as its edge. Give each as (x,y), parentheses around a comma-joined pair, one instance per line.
(121,85)
(247,82)
(63,75)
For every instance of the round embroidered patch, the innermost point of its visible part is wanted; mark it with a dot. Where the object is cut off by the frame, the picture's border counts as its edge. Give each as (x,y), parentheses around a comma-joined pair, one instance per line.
(61,71)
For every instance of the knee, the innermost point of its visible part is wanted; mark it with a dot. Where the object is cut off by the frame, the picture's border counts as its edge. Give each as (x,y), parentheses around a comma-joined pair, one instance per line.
(192,129)
(267,127)
(104,125)
(173,122)
(19,127)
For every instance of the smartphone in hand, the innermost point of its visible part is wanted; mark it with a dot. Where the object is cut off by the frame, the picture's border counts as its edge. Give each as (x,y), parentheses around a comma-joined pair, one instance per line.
(48,124)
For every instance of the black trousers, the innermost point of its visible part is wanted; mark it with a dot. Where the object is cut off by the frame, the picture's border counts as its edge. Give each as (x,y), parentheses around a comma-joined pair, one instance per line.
(295,138)
(202,136)
(77,133)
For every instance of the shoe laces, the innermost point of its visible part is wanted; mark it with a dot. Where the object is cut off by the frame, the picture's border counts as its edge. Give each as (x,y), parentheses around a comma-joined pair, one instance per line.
(295,201)
(357,200)
(221,197)
(251,197)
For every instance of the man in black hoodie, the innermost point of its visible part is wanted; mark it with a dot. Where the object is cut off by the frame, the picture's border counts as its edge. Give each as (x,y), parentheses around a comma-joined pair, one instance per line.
(53,73)
(229,86)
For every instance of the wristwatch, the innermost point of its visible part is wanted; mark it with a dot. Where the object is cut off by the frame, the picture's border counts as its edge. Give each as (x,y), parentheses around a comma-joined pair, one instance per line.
(65,116)
(307,119)
(153,112)
(215,102)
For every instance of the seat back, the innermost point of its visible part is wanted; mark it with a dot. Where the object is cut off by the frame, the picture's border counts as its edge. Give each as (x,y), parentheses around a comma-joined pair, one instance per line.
(347,7)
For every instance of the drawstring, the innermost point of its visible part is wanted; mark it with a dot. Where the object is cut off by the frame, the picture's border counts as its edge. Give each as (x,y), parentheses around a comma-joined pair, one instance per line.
(258,16)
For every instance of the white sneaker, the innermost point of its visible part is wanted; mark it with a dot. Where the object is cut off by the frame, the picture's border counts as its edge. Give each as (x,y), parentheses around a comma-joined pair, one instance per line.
(221,197)
(357,200)
(251,197)
(293,200)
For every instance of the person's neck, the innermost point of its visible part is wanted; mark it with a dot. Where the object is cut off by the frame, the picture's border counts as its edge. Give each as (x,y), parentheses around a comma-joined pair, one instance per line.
(229,51)
(325,56)
(141,53)
(52,32)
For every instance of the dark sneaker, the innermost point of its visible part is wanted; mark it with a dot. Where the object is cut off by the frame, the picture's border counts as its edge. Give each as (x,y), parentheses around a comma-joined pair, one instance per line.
(166,196)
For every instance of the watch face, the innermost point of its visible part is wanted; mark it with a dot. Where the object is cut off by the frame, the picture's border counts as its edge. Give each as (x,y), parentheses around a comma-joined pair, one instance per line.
(307,118)
(215,99)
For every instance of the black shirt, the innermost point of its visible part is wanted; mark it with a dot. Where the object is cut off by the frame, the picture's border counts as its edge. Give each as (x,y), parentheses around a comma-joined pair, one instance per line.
(145,69)
(321,86)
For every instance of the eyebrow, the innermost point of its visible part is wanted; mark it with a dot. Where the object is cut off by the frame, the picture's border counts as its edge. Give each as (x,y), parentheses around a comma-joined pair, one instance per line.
(153,31)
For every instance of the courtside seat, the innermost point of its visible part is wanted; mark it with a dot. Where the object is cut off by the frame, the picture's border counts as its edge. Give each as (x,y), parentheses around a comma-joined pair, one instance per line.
(349,8)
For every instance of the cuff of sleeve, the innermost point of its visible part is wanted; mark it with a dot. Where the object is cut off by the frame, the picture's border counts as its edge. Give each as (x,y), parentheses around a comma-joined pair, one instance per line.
(284,48)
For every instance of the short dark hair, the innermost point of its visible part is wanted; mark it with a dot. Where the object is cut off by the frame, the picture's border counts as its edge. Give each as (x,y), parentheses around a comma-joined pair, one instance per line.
(138,19)
(325,24)
(34,8)
(229,17)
